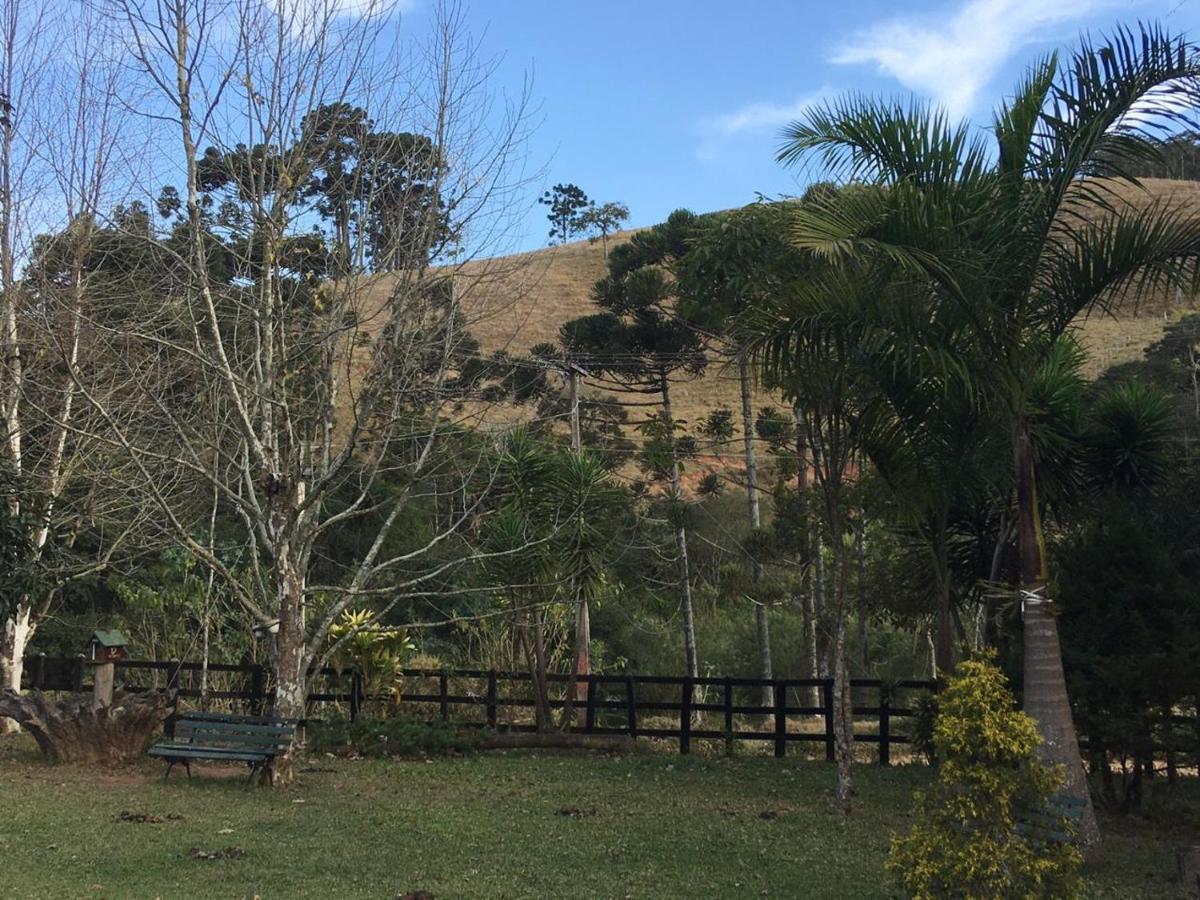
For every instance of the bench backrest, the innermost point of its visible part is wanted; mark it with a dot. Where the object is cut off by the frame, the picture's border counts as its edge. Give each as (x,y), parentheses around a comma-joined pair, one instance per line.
(266,735)
(199,716)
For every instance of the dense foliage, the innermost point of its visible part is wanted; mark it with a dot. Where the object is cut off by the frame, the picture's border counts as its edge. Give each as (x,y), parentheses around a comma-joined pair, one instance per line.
(964,843)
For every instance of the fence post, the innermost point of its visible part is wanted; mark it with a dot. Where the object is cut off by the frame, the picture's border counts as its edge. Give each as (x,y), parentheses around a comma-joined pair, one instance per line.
(589,721)
(827,698)
(780,719)
(728,715)
(630,706)
(443,692)
(356,694)
(173,674)
(77,675)
(685,717)
(39,672)
(491,699)
(885,726)
(258,688)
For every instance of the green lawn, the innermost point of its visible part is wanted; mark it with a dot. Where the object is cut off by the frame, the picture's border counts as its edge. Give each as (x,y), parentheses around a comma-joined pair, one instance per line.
(494,825)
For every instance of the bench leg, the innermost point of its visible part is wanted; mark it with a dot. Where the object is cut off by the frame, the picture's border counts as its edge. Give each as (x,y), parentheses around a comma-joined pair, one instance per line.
(170,764)
(187,765)
(253,771)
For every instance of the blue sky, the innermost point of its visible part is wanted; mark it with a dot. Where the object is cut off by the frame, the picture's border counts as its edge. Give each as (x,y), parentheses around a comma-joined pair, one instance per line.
(668,103)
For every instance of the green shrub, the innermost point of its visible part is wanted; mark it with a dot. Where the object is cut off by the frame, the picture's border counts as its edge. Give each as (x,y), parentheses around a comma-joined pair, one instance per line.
(395,736)
(963,843)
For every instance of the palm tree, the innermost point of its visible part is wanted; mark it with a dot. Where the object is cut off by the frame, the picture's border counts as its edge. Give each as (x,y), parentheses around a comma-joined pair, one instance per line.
(1016,237)
(815,354)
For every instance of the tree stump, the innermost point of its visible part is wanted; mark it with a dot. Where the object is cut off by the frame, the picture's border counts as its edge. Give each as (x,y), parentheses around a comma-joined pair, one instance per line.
(75,729)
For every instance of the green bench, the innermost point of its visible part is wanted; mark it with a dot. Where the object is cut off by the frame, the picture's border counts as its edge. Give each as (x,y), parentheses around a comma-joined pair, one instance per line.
(214,737)
(1052,825)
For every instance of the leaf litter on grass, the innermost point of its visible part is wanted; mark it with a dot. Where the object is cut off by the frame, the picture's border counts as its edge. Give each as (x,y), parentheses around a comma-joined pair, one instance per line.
(227,853)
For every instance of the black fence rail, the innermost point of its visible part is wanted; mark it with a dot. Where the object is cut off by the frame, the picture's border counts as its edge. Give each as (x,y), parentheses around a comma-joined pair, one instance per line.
(676,708)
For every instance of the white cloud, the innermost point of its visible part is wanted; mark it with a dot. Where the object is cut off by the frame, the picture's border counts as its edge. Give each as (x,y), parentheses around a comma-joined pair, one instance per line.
(753,118)
(759,116)
(953,57)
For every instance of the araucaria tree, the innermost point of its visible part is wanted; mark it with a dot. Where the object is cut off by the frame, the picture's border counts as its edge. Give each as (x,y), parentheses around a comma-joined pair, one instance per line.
(998,236)
(277,368)
(568,207)
(640,344)
(735,262)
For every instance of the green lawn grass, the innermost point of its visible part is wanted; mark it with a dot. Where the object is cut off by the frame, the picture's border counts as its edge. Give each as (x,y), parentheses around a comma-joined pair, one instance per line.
(496,825)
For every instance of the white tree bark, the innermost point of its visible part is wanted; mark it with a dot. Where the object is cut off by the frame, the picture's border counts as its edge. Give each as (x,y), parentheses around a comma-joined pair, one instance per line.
(691,660)
(762,627)
(59,146)
(311,418)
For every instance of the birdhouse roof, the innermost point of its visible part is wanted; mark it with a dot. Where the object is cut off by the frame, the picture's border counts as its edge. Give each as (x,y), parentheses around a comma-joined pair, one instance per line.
(112,638)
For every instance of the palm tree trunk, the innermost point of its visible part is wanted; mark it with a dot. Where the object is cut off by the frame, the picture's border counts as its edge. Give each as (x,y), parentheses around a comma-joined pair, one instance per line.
(819,609)
(1045,690)
(761,622)
(943,652)
(860,584)
(843,716)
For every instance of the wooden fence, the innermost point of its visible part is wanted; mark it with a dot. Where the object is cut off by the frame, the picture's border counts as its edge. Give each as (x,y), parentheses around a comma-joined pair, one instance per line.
(724,709)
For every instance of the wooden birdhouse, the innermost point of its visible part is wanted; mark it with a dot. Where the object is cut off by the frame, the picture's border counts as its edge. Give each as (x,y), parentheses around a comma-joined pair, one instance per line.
(108,646)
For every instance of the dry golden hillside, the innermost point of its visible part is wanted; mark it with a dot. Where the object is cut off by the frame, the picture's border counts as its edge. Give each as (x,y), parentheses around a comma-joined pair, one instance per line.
(518,301)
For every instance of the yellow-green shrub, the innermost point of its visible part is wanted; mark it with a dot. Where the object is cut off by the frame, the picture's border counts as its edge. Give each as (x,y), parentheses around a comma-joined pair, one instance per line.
(963,844)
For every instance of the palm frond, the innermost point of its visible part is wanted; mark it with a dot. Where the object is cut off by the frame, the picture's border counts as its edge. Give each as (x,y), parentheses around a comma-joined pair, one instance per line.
(858,137)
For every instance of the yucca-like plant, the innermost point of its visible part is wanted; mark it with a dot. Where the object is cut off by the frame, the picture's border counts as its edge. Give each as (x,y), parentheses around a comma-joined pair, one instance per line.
(548,544)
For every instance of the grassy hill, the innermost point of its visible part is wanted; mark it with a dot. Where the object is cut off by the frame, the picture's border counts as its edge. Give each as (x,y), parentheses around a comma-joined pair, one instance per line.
(517,301)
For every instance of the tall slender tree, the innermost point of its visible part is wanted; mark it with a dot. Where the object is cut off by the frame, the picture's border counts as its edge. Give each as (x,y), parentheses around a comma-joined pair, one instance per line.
(639,343)
(734,262)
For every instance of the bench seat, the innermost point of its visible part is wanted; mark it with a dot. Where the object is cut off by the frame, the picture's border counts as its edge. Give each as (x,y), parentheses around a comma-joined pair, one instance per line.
(213,737)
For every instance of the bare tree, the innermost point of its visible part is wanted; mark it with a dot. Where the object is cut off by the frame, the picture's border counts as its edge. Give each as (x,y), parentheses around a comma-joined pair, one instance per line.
(314,405)
(60,146)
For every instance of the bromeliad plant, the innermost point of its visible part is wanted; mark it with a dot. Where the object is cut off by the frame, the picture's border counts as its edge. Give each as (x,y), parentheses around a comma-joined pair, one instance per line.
(377,651)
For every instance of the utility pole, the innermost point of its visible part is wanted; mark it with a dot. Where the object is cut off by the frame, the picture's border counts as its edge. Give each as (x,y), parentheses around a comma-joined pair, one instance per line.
(583,622)
(573,381)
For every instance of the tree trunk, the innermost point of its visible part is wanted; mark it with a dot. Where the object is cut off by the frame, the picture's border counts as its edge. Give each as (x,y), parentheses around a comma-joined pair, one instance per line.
(540,687)
(761,620)
(943,645)
(14,640)
(820,638)
(76,729)
(812,663)
(290,664)
(583,649)
(808,584)
(583,622)
(685,573)
(843,709)
(1045,690)
(860,583)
